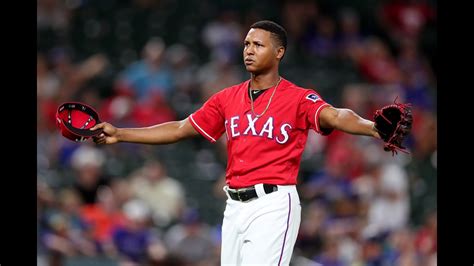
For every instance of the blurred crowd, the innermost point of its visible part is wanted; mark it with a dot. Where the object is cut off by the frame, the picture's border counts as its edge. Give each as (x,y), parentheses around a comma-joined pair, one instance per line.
(142,62)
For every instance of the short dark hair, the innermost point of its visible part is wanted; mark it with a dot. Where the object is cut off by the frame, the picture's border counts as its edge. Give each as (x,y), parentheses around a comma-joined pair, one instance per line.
(277,31)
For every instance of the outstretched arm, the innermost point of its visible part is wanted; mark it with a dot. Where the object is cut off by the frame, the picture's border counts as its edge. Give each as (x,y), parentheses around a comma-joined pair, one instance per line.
(346,120)
(165,133)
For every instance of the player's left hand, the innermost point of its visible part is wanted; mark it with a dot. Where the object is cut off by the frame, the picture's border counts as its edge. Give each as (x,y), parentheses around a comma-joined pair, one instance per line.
(376,134)
(393,123)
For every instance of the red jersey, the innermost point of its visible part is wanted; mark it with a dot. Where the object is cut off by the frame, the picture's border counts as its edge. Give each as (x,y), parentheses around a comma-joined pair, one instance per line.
(264,149)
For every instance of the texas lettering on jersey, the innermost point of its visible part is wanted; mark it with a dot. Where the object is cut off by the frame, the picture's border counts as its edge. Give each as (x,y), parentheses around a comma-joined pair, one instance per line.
(264,149)
(267,130)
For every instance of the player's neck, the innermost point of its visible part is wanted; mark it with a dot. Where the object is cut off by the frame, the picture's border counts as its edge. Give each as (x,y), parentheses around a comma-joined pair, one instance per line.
(264,81)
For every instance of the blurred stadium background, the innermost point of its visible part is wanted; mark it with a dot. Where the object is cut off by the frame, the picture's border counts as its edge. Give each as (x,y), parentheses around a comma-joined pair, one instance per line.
(142,62)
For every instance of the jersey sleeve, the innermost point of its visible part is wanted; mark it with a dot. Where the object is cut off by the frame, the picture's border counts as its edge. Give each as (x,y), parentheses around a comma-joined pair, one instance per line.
(209,119)
(310,107)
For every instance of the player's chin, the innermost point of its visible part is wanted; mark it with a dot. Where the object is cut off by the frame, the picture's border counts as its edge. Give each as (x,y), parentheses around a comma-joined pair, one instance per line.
(251,68)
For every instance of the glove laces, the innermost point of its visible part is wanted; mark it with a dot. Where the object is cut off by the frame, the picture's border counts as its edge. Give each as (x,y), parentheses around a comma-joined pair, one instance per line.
(389,146)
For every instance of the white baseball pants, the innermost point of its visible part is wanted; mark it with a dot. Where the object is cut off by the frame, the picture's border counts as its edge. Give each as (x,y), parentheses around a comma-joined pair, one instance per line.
(262,231)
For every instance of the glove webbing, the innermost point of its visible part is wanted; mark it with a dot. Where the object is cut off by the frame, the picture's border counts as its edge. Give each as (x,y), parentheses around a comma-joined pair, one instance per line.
(390,146)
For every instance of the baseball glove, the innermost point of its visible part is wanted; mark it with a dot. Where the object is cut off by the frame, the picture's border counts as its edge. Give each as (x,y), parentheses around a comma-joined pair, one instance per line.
(393,123)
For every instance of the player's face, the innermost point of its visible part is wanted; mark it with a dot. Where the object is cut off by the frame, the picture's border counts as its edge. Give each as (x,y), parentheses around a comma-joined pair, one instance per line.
(260,51)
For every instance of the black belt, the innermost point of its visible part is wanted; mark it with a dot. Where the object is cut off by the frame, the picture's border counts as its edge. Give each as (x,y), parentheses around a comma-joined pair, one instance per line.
(248,193)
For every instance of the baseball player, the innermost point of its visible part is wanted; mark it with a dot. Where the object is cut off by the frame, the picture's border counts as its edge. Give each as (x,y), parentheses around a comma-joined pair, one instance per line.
(266,121)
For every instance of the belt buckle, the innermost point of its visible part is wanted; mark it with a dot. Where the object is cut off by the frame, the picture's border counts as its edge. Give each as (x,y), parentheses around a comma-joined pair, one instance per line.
(238,195)
(241,190)
(238,191)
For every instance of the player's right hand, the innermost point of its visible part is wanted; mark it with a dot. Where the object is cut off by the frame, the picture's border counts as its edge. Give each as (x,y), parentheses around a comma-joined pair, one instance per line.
(108,135)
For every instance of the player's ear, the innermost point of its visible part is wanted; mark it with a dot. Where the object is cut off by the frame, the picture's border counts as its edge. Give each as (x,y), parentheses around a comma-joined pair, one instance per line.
(280,52)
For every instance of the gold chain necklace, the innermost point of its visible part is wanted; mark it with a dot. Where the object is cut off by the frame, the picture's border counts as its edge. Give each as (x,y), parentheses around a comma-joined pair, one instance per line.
(269,101)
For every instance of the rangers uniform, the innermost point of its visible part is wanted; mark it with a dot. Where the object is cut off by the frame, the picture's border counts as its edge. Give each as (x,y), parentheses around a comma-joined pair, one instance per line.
(266,137)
